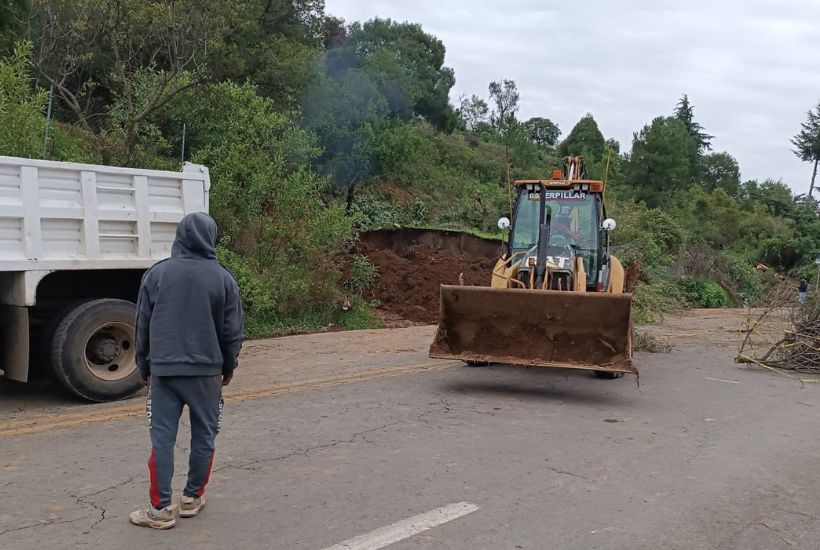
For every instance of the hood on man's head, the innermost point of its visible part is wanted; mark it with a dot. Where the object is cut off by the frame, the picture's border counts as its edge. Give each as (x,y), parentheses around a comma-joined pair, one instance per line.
(196,237)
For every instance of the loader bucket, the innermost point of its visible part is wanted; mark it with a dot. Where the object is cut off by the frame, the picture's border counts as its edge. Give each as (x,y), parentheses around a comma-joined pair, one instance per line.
(548,328)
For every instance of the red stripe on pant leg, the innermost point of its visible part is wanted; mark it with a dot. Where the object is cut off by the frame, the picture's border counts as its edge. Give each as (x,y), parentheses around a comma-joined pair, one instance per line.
(207,477)
(154,491)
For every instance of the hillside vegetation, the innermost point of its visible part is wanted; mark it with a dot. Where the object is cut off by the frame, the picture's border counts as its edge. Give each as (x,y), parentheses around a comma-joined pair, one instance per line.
(314,129)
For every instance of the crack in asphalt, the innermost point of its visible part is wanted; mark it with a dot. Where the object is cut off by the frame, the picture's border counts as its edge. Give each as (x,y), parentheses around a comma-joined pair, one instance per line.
(442,406)
(743,526)
(774,531)
(422,417)
(112,487)
(42,524)
(253,465)
(566,473)
(803,514)
(82,500)
(94,506)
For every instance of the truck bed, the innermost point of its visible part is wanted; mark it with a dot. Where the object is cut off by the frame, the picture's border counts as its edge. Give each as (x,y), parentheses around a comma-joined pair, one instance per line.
(60,215)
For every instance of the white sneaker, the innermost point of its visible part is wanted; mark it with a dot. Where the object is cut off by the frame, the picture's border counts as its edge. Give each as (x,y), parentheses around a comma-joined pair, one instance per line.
(155,519)
(189,506)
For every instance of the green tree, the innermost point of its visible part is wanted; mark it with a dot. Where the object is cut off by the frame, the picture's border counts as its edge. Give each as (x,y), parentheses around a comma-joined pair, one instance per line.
(797,246)
(807,143)
(346,113)
(22,123)
(472,111)
(613,145)
(610,168)
(772,194)
(522,152)
(685,112)
(646,235)
(504,95)
(584,139)
(285,245)
(334,32)
(13,15)
(543,131)
(720,171)
(659,166)
(274,44)
(134,55)
(715,218)
(406,64)
(22,113)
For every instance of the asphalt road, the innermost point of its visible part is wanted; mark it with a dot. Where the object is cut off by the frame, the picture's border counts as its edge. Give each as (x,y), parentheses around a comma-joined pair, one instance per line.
(332,437)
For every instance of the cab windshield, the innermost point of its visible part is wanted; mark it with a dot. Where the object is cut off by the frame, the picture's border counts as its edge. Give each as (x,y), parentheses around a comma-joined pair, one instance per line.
(573,224)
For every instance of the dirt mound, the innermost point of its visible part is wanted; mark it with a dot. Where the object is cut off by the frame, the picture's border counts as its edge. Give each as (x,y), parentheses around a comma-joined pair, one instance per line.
(413,263)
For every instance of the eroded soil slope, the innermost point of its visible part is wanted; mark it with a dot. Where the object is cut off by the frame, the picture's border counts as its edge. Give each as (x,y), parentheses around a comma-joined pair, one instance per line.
(413,263)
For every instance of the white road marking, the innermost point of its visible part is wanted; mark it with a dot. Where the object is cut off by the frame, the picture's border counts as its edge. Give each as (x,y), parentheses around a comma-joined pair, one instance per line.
(406,528)
(721,380)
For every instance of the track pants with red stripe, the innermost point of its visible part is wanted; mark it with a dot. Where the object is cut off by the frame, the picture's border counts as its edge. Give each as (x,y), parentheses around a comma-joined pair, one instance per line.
(167,395)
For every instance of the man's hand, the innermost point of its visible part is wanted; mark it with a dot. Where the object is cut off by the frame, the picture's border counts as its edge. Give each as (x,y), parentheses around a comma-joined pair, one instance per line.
(226,379)
(143,380)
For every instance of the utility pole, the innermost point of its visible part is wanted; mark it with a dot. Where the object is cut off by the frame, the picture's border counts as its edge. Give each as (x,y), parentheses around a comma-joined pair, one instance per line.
(182,155)
(48,120)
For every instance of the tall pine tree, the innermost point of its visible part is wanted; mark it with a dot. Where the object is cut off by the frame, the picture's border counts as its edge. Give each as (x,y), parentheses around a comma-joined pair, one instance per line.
(584,139)
(807,142)
(685,112)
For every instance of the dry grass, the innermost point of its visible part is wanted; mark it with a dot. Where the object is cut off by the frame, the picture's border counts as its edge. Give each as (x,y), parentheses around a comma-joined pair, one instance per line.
(649,343)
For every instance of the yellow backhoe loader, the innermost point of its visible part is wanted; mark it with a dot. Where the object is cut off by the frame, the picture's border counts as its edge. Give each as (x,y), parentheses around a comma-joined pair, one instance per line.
(556,295)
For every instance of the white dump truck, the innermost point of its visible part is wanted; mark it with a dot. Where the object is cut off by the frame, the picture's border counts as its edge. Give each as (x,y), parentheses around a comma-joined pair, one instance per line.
(75,240)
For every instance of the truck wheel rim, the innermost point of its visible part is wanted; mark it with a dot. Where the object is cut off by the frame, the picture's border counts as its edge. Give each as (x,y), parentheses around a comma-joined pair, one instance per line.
(110,353)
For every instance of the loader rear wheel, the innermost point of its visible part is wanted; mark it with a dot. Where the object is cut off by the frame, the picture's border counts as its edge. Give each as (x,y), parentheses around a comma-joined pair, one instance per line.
(608,375)
(93,351)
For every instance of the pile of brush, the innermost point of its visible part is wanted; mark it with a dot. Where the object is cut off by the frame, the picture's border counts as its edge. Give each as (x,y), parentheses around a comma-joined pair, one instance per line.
(784,335)
(800,350)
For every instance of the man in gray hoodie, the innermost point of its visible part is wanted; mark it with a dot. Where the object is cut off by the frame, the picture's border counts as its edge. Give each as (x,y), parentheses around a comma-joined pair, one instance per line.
(189,333)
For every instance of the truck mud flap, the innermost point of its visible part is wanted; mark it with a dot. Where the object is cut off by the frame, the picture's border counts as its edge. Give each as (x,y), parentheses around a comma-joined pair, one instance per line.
(576,330)
(14,342)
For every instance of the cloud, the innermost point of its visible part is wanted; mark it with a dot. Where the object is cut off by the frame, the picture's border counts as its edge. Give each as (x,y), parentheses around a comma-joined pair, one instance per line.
(750,67)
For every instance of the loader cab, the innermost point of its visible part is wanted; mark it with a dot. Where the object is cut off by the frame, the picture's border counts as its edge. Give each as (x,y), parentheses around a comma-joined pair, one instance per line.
(574,212)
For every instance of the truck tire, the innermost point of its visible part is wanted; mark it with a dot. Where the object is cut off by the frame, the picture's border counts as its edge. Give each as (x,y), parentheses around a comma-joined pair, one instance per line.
(93,350)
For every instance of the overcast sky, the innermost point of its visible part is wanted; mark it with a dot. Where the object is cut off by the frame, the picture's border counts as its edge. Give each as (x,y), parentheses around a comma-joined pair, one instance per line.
(751,68)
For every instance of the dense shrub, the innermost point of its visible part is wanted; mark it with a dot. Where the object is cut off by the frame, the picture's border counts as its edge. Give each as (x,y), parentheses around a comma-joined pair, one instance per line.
(747,283)
(362,275)
(374,210)
(704,292)
(286,246)
(656,295)
(22,115)
(645,235)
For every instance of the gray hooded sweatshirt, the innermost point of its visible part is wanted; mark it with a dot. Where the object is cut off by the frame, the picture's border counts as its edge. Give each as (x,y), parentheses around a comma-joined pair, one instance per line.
(189,314)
